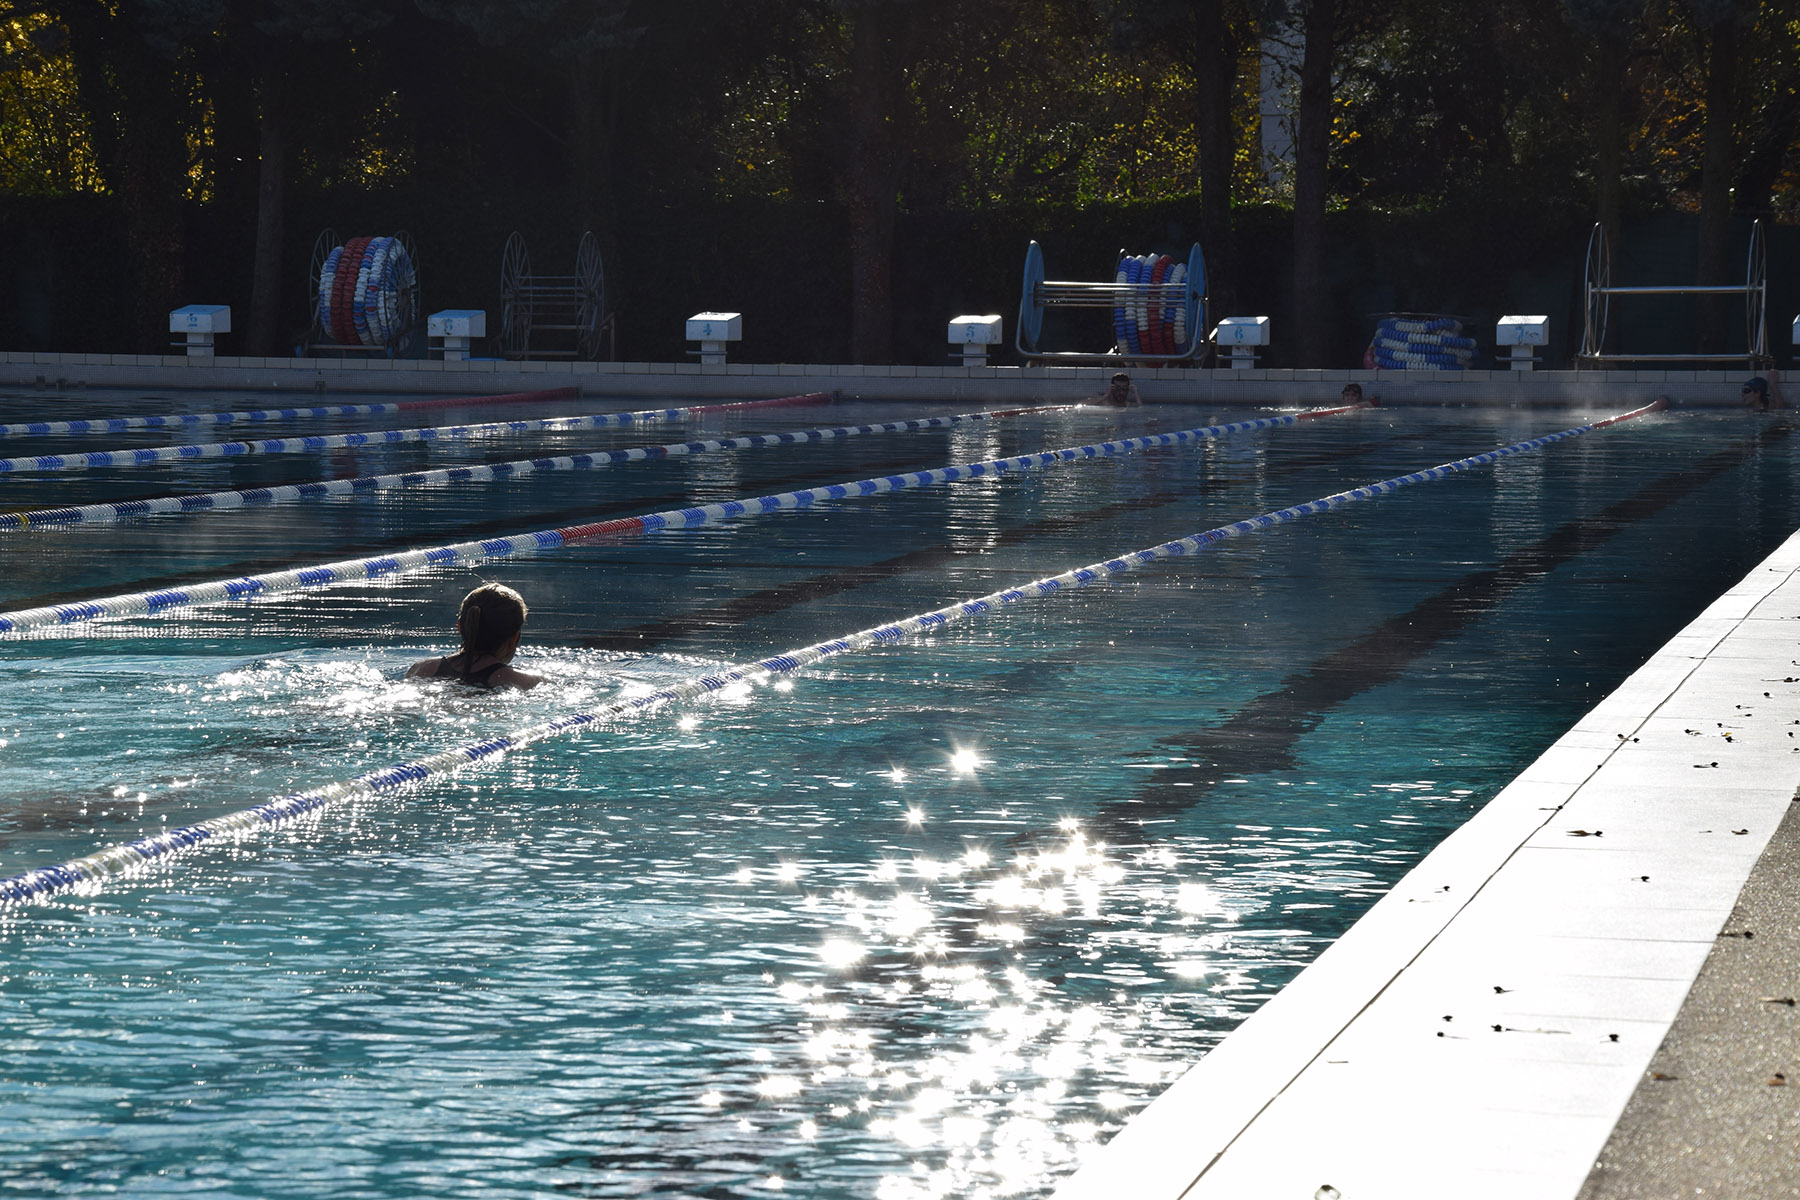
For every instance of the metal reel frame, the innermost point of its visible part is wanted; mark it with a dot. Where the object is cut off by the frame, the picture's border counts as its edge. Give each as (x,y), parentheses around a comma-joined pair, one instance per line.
(1199,320)
(410,310)
(1596,304)
(590,284)
(323,245)
(1756,299)
(1031,305)
(515,295)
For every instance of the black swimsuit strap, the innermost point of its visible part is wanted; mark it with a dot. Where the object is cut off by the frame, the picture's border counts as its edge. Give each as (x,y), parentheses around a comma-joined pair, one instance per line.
(483,678)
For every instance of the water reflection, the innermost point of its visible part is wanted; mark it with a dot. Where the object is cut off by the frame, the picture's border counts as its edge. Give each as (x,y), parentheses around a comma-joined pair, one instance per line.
(856,934)
(987,1070)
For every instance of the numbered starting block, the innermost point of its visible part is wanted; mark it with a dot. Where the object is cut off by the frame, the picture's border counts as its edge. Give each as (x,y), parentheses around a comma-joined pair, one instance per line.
(201,323)
(973,336)
(1523,334)
(1241,336)
(714,331)
(454,328)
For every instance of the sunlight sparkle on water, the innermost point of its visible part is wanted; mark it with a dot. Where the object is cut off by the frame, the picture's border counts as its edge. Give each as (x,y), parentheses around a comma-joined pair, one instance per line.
(777,1087)
(1041,1068)
(964,760)
(841,953)
(1197,899)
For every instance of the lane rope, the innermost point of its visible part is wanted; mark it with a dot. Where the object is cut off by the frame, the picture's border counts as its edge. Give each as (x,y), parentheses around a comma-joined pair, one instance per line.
(319,443)
(89,514)
(259,416)
(383,566)
(127,858)
(262,416)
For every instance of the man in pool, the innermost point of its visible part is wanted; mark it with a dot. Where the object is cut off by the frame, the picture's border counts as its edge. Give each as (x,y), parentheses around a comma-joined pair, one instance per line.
(1353,394)
(490,622)
(1123,393)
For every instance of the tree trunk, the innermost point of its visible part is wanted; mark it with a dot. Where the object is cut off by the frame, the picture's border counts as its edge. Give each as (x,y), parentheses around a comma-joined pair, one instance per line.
(1717,154)
(591,142)
(871,187)
(1312,312)
(263,334)
(153,179)
(139,117)
(1215,71)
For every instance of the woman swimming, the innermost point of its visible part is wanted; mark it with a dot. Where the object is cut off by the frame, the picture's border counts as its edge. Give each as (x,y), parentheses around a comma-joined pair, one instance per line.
(491,621)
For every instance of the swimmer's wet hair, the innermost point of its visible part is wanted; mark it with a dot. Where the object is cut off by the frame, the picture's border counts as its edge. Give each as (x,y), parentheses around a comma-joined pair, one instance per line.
(490,616)
(1354,387)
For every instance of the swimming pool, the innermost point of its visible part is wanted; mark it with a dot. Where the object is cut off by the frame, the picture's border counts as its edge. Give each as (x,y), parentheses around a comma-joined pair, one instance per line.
(925,922)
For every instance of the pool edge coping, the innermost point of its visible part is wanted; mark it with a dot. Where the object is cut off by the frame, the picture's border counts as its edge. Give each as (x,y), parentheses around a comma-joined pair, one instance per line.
(1236,1098)
(73,373)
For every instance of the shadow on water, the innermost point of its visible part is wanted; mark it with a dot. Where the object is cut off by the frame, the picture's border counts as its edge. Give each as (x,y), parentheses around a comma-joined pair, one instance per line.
(1260,737)
(769,601)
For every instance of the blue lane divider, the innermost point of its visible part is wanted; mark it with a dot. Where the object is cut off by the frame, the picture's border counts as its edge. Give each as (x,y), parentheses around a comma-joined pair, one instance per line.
(88,514)
(319,443)
(263,416)
(91,871)
(216,591)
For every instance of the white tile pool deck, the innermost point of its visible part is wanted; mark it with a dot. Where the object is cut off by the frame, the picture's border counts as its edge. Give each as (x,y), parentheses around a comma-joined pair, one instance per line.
(1480,1031)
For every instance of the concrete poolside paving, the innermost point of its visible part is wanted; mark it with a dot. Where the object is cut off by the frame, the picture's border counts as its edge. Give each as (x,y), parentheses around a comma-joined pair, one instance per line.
(1718,1112)
(1484,1028)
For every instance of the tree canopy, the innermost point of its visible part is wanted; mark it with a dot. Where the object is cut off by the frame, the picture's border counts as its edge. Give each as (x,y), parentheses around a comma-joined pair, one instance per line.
(864,118)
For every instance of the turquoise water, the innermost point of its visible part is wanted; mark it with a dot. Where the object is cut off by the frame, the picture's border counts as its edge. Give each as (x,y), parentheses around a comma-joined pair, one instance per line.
(924,921)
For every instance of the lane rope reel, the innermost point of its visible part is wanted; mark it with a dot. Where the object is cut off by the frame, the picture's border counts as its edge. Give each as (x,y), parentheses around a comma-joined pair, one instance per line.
(1413,342)
(365,291)
(1158,307)
(1154,319)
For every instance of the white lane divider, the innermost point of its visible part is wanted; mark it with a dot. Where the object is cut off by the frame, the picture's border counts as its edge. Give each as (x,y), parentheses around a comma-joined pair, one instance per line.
(92,514)
(216,591)
(319,443)
(265,416)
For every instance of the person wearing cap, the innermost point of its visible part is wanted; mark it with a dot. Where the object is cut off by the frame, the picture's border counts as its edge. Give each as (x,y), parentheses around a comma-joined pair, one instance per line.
(1757,394)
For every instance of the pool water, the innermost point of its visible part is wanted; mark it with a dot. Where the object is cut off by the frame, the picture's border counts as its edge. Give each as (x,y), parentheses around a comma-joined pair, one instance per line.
(929,920)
